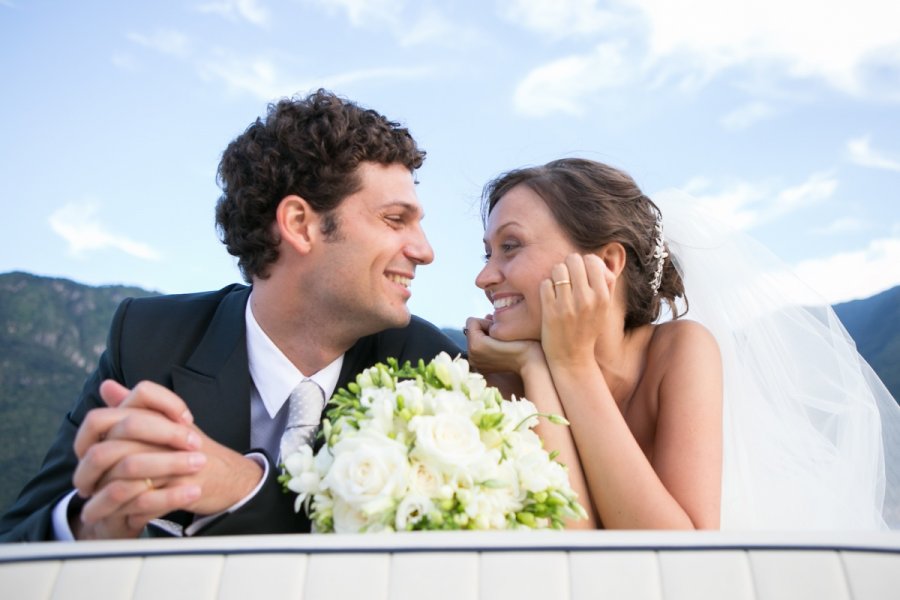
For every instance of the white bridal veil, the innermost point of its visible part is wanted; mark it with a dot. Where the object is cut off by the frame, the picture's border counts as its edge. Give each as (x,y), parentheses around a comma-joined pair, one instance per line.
(811,435)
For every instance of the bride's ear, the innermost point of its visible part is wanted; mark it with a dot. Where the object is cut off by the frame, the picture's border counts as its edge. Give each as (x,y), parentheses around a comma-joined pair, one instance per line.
(613,256)
(296,223)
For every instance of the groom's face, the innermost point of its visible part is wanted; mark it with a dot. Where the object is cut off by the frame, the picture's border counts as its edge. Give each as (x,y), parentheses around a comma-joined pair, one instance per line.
(522,242)
(369,263)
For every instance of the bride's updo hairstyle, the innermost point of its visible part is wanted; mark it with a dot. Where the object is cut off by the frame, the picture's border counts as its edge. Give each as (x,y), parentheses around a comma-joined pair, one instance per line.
(596,204)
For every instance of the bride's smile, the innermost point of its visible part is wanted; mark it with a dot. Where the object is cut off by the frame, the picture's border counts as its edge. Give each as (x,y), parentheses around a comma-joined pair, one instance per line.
(519,255)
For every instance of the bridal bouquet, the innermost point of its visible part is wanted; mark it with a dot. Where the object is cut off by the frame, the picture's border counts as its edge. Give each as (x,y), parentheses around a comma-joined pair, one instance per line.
(430,447)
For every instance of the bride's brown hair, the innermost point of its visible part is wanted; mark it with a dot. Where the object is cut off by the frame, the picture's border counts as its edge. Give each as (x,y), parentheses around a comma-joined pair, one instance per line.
(596,204)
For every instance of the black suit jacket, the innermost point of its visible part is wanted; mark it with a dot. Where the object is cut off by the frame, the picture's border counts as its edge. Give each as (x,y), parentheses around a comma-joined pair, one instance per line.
(195,344)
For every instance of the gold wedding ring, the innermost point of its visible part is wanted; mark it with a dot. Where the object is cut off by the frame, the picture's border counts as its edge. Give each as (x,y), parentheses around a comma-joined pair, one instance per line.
(149,483)
(563,282)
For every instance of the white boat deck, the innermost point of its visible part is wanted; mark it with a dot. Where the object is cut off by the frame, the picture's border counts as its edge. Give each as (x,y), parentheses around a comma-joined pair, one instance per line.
(463,566)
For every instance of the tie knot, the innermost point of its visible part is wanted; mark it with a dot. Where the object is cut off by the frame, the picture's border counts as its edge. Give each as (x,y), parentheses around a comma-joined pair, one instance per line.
(305,406)
(306,403)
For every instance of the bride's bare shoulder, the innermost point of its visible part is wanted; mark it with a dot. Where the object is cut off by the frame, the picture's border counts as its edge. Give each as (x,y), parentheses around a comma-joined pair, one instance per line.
(683,338)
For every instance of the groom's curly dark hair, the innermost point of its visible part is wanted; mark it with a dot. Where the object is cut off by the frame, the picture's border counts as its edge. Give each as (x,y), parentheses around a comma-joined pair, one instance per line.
(310,147)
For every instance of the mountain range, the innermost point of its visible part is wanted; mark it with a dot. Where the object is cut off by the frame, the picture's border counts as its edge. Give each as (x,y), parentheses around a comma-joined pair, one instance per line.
(52,332)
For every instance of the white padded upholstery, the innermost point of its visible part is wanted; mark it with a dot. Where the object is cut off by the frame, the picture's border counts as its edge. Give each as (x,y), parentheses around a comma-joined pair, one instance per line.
(462,566)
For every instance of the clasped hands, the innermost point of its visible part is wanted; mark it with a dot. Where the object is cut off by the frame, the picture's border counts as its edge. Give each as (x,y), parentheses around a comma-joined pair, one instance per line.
(142,457)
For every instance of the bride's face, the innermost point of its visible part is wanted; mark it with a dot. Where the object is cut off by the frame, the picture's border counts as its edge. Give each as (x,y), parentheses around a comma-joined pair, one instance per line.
(522,243)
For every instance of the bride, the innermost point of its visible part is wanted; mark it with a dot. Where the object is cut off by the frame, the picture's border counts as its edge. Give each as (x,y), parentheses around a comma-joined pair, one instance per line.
(757,413)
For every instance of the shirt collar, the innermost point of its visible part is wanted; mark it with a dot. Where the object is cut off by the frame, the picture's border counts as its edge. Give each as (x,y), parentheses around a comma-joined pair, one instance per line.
(273,374)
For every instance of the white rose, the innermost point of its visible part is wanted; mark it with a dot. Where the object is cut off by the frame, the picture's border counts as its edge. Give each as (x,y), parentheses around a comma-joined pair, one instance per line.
(347,518)
(424,479)
(449,441)
(412,509)
(369,470)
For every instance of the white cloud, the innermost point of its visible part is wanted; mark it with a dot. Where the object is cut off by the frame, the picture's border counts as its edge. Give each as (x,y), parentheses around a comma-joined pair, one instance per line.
(78,225)
(735,204)
(249,10)
(123,61)
(362,13)
(558,19)
(744,116)
(410,24)
(861,153)
(818,187)
(745,205)
(828,39)
(851,47)
(565,84)
(166,41)
(857,274)
(432,27)
(262,79)
(842,225)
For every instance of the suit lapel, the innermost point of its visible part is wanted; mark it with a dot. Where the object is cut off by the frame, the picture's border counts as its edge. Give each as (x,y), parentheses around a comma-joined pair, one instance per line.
(215,381)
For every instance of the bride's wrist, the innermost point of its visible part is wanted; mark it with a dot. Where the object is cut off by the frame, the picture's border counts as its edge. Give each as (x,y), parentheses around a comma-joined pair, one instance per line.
(571,365)
(532,360)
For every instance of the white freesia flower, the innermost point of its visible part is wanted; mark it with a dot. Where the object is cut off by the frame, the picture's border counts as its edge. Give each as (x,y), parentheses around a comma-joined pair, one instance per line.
(537,473)
(381,405)
(518,414)
(413,398)
(412,509)
(451,372)
(430,447)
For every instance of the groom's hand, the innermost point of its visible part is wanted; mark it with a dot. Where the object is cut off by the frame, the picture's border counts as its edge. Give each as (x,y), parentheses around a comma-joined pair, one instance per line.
(143,458)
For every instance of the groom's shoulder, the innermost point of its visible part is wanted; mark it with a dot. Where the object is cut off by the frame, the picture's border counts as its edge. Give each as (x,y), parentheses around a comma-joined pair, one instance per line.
(178,316)
(418,339)
(173,305)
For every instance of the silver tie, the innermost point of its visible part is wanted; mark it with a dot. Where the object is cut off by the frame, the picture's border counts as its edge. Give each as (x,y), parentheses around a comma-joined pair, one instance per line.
(304,413)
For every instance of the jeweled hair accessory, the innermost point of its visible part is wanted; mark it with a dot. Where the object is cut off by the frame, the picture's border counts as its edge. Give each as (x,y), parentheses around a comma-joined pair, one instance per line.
(659,253)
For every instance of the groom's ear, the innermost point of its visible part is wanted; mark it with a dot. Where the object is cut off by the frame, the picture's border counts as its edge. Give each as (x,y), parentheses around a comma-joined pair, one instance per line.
(296,223)
(613,256)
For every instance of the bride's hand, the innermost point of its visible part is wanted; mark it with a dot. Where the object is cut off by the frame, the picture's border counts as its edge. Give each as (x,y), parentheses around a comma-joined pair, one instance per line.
(577,309)
(488,355)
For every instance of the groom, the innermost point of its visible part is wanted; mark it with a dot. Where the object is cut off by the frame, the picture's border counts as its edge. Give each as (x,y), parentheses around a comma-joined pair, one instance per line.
(177,431)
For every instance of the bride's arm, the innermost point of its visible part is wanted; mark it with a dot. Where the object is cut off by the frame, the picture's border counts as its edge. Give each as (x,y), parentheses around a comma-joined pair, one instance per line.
(679,486)
(525,360)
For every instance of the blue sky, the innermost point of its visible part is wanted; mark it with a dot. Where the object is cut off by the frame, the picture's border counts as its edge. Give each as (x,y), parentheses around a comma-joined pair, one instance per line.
(781,116)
